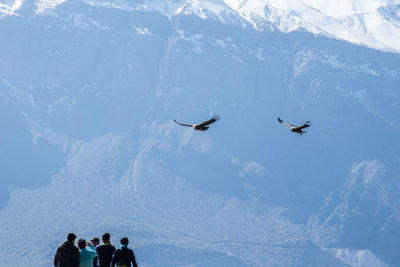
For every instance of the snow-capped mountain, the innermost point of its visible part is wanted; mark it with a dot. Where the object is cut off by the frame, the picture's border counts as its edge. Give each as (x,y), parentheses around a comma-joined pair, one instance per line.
(88,94)
(373,23)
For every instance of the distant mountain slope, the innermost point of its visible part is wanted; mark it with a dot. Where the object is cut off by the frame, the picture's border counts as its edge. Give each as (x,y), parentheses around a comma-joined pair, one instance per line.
(88,94)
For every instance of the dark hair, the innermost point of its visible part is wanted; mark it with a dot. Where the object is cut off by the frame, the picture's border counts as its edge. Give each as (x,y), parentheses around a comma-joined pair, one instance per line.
(71,237)
(106,236)
(81,243)
(124,241)
(95,239)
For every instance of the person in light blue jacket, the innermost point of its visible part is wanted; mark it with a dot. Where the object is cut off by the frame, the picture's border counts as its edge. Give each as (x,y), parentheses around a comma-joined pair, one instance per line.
(86,255)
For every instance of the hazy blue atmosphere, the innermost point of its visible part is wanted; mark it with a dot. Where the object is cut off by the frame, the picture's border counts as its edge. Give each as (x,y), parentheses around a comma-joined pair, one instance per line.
(88,95)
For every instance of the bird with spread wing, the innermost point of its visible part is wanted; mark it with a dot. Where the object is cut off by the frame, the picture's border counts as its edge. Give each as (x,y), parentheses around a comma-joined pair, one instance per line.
(296,129)
(201,126)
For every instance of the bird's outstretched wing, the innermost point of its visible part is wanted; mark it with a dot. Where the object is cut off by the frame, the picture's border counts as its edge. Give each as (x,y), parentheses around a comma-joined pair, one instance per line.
(286,124)
(305,125)
(212,120)
(184,124)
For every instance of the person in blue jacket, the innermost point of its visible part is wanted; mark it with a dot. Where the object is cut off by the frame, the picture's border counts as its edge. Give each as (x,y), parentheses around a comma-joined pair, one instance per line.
(95,242)
(86,255)
(124,256)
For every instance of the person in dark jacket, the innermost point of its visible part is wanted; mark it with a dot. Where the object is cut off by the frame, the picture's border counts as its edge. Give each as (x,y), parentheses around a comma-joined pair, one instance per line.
(67,254)
(124,256)
(105,251)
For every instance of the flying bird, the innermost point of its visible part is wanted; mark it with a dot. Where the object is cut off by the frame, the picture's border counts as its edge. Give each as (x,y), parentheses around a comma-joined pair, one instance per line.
(202,126)
(296,129)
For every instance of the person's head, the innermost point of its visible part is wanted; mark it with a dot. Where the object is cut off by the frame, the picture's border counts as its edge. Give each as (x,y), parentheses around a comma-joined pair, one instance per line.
(124,242)
(81,243)
(71,237)
(95,241)
(106,238)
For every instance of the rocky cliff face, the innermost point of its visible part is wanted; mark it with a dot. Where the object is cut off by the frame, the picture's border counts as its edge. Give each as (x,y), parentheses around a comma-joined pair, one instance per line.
(88,95)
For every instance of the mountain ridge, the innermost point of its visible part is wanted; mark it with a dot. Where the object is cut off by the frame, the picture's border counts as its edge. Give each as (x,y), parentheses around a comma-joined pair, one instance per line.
(374,24)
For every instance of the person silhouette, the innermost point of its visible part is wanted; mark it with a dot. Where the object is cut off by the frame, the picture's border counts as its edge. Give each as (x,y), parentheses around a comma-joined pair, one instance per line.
(85,255)
(124,256)
(67,253)
(105,251)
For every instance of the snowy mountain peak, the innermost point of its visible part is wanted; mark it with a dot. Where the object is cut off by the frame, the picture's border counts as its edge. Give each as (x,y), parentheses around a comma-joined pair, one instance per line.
(44,6)
(168,8)
(373,23)
(216,9)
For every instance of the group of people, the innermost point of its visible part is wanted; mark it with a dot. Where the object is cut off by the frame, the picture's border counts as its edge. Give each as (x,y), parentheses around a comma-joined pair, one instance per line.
(92,254)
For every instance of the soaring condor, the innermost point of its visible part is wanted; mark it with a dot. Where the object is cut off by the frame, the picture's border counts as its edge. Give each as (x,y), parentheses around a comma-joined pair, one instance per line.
(202,126)
(296,129)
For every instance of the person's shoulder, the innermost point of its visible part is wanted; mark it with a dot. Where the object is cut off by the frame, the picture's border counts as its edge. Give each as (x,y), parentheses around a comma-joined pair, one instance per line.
(131,253)
(92,251)
(70,247)
(128,250)
(60,248)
